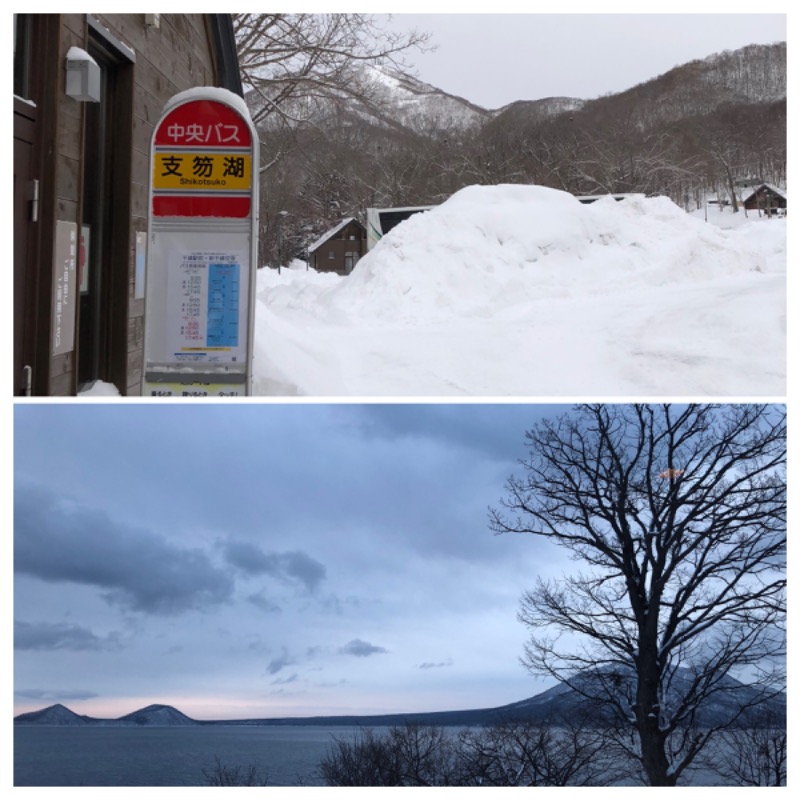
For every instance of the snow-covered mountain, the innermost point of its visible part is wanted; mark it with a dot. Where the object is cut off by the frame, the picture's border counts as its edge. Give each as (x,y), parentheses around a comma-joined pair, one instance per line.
(390,99)
(418,105)
(722,705)
(52,715)
(150,715)
(158,715)
(383,97)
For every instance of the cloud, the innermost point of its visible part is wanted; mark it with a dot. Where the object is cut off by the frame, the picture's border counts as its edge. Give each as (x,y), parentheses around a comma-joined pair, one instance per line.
(436,665)
(281,681)
(292,566)
(60,636)
(494,432)
(50,694)
(278,663)
(57,540)
(264,603)
(360,648)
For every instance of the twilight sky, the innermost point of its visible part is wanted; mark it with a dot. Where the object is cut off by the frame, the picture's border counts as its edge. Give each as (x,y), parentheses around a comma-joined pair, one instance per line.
(495,59)
(269,560)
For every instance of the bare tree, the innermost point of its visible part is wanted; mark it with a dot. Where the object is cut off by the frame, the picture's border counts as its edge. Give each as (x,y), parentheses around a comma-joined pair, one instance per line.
(227,775)
(528,753)
(513,753)
(409,755)
(678,515)
(754,755)
(292,61)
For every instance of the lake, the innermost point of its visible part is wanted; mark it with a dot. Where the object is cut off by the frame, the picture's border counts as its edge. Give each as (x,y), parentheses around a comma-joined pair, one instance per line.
(167,756)
(288,755)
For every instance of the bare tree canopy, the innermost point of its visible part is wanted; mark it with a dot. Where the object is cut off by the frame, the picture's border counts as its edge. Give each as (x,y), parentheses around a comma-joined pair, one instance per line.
(678,515)
(293,60)
(519,753)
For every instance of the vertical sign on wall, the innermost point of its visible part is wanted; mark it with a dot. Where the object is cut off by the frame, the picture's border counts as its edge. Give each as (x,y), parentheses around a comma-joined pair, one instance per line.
(65,257)
(201,259)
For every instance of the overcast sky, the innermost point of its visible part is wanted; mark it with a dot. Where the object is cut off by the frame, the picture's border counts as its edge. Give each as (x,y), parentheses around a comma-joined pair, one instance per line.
(495,59)
(269,560)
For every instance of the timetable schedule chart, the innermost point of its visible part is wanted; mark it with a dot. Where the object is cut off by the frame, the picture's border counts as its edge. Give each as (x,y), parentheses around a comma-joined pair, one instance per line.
(204,292)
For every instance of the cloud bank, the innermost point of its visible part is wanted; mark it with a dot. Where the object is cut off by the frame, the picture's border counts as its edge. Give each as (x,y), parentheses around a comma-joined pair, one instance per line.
(55,540)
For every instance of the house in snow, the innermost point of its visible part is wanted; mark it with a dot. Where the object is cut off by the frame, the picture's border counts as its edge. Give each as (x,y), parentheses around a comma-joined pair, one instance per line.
(766,198)
(88,91)
(340,248)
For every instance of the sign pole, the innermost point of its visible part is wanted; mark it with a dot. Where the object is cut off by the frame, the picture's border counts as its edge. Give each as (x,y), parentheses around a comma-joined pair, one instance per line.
(201,259)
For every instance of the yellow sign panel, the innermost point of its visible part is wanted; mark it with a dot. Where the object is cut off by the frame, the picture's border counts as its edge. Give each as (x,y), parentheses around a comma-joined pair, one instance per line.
(202,171)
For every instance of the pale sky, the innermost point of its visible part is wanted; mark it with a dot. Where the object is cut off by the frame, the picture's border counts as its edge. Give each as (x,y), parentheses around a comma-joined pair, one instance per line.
(495,59)
(254,560)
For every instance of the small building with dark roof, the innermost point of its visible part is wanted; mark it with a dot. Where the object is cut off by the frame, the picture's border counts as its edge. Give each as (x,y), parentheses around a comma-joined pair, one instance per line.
(339,249)
(766,198)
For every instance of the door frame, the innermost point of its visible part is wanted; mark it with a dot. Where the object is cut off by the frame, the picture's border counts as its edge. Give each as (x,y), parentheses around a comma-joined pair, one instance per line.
(113,249)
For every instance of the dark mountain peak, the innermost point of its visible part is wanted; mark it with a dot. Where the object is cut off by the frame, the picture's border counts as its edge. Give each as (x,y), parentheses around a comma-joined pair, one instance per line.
(57,714)
(533,112)
(158,714)
(751,75)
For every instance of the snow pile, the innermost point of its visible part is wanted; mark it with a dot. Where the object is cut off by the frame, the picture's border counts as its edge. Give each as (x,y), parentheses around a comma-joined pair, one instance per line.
(99,389)
(522,290)
(493,248)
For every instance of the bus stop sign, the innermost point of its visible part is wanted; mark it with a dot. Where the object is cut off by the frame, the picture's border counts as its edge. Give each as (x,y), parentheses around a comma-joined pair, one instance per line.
(201,258)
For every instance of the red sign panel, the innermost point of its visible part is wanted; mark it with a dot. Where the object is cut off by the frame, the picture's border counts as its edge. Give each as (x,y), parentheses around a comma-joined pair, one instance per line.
(194,205)
(201,127)
(204,124)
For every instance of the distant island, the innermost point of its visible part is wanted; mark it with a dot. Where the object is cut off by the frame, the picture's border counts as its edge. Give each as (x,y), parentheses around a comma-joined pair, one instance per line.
(557,703)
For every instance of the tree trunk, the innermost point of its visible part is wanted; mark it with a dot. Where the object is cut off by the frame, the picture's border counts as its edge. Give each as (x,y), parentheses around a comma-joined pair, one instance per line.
(652,739)
(654,756)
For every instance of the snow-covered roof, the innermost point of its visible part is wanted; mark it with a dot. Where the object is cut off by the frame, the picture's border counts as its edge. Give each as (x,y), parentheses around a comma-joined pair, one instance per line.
(771,186)
(331,233)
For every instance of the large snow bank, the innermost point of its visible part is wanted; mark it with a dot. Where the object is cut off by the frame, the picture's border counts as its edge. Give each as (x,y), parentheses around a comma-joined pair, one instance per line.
(492,248)
(522,290)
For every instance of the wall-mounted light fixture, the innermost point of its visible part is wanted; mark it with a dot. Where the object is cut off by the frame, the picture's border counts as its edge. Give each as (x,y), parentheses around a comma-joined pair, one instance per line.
(83,76)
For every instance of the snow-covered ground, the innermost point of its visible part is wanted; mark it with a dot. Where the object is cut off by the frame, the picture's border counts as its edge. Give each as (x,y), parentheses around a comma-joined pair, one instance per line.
(523,291)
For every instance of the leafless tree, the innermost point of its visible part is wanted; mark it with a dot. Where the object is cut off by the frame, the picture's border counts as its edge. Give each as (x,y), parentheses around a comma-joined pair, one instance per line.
(679,515)
(227,775)
(754,755)
(513,753)
(409,755)
(292,61)
(528,753)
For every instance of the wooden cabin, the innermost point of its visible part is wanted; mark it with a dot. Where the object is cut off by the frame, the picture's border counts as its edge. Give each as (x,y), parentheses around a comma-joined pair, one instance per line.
(766,198)
(340,249)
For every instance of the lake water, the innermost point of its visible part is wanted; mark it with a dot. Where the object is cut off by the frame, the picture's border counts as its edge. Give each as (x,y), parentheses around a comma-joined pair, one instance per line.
(154,756)
(176,756)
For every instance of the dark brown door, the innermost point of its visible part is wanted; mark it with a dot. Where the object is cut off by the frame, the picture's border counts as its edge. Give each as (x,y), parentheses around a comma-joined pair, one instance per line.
(24,210)
(105,227)
(94,267)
